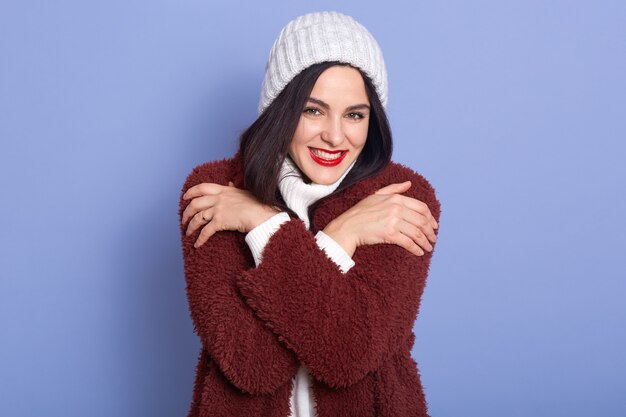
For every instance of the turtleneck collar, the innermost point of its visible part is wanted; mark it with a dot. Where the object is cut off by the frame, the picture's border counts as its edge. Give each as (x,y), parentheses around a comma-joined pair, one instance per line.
(297,194)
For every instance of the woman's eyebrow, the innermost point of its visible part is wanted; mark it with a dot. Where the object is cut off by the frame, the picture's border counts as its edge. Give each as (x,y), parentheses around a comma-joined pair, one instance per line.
(358,107)
(326,106)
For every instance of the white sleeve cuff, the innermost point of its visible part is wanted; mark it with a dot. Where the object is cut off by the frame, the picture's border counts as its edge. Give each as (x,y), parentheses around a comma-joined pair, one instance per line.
(334,251)
(258,237)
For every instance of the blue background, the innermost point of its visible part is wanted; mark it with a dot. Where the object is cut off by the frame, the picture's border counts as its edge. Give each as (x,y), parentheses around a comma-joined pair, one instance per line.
(514,110)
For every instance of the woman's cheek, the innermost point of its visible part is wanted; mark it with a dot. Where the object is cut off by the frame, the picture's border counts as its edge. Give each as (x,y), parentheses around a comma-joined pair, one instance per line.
(310,129)
(359,135)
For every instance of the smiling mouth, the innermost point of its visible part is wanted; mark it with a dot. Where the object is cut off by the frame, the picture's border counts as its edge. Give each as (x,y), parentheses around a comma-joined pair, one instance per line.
(327,158)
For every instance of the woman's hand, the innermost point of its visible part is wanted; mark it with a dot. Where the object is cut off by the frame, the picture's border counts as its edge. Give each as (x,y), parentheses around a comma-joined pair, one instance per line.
(217,207)
(386,217)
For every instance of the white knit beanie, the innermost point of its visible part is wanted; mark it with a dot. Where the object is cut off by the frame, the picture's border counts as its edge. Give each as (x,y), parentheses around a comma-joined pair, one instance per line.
(319,37)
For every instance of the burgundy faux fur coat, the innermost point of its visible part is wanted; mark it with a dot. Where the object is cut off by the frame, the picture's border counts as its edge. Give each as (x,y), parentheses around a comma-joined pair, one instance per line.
(352,331)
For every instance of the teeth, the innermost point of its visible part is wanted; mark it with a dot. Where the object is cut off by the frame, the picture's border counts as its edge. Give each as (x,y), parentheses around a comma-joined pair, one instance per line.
(326,155)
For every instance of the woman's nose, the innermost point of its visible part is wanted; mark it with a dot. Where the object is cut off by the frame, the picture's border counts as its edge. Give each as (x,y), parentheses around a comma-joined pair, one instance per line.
(333,132)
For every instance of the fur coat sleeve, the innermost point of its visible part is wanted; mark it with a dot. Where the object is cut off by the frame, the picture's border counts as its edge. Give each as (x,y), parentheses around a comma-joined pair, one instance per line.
(248,353)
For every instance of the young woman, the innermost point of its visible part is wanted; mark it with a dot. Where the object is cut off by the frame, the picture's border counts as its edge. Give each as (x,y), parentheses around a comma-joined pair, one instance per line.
(306,253)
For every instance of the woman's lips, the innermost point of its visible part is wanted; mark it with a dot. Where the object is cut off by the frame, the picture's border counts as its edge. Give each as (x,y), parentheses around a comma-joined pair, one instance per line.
(327,158)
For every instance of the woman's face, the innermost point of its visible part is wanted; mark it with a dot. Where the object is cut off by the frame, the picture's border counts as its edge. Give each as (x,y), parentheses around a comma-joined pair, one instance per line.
(333,125)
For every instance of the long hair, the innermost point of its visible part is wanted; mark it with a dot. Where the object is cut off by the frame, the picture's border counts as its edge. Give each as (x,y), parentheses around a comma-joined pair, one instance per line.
(265,144)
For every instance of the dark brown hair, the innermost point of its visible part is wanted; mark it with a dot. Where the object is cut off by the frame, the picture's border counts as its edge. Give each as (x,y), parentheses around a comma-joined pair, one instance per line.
(265,144)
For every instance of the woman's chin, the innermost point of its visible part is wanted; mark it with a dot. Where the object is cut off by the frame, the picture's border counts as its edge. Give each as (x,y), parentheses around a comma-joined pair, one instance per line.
(326,178)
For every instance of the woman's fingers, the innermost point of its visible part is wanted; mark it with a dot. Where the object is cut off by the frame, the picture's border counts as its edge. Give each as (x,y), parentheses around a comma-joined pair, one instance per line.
(214,207)
(421,208)
(204,188)
(416,235)
(201,218)
(196,205)
(421,223)
(395,188)
(410,238)
(407,243)
(205,234)
(417,205)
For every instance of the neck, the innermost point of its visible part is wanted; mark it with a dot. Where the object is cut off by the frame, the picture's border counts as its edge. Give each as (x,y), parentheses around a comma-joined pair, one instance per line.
(297,194)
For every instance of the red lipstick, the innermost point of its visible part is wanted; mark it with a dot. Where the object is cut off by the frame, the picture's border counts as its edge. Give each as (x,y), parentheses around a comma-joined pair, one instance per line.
(327,162)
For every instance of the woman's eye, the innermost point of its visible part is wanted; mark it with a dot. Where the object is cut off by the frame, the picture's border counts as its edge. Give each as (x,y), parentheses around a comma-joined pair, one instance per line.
(311,110)
(356,115)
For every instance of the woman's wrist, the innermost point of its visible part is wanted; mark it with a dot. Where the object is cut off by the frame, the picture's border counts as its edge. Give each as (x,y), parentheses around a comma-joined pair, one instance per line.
(261,215)
(337,231)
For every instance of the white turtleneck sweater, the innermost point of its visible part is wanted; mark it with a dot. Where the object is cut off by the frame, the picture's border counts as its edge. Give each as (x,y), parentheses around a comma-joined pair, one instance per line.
(299,196)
